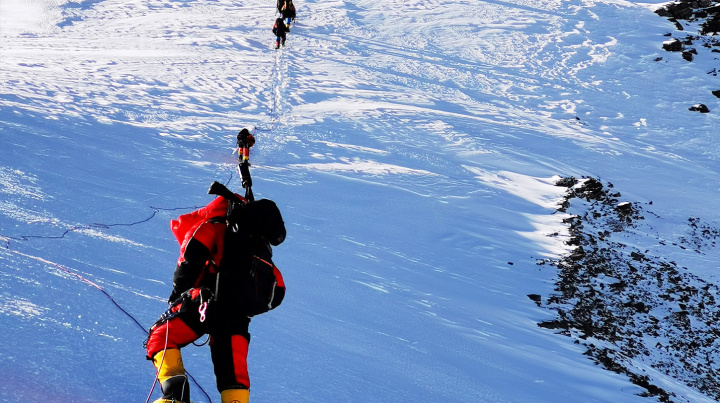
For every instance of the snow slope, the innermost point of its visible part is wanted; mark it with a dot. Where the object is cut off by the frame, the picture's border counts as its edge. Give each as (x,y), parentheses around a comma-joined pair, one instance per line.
(412,147)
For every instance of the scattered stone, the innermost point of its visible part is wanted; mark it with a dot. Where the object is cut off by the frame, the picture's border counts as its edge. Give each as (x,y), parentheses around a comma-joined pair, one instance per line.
(536,298)
(702,108)
(630,309)
(706,12)
(712,24)
(624,208)
(678,11)
(673,45)
(566,182)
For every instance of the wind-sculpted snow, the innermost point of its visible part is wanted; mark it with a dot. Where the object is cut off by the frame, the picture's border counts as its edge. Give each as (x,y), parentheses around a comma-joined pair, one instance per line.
(413,148)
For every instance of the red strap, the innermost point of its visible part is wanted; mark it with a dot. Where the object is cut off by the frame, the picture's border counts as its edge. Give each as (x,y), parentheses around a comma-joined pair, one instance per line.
(276,272)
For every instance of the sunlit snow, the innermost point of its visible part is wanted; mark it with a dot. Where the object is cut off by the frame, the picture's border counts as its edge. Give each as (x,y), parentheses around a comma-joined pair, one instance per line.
(412,147)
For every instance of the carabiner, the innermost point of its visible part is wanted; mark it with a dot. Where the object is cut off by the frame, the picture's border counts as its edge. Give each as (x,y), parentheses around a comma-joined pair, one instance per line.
(202,309)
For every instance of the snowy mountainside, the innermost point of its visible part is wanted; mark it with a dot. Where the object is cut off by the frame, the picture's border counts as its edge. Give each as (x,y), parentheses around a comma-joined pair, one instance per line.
(413,148)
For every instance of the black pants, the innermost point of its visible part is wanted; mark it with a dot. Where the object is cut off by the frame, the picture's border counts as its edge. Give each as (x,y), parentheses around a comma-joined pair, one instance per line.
(186,321)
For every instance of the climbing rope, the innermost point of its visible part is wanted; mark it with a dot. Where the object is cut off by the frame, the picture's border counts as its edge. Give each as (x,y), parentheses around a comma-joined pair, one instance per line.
(273,114)
(94,284)
(77,228)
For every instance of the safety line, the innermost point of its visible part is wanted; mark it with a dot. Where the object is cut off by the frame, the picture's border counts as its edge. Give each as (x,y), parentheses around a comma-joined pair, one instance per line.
(102,290)
(7,238)
(275,90)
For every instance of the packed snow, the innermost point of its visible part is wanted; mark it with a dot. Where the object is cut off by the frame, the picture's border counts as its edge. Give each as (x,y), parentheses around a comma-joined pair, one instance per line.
(413,148)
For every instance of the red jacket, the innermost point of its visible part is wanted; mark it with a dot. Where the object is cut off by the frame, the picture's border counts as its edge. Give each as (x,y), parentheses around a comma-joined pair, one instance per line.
(201,235)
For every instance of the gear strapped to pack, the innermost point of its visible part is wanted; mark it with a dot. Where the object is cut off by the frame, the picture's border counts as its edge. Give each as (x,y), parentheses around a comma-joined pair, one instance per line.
(245,140)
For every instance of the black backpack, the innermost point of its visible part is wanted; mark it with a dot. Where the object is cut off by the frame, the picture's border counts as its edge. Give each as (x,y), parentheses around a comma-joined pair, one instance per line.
(248,280)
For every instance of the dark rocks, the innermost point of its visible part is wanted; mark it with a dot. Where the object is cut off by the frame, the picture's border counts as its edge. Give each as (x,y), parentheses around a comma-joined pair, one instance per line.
(673,45)
(699,108)
(566,182)
(712,24)
(536,298)
(691,11)
(591,189)
(680,10)
(705,14)
(624,208)
(687,9)
(688,54)
(630,309)
(555,324)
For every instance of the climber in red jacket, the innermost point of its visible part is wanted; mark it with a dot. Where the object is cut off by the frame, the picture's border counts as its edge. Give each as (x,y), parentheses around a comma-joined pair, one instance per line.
(224,276)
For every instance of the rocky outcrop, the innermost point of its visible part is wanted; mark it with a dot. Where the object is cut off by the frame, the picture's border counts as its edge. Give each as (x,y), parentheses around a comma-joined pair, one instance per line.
(700,15)
(702,108)
(632,309)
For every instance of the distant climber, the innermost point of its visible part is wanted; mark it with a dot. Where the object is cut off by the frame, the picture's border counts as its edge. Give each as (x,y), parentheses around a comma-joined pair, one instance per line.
(280,30)
(288,13)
